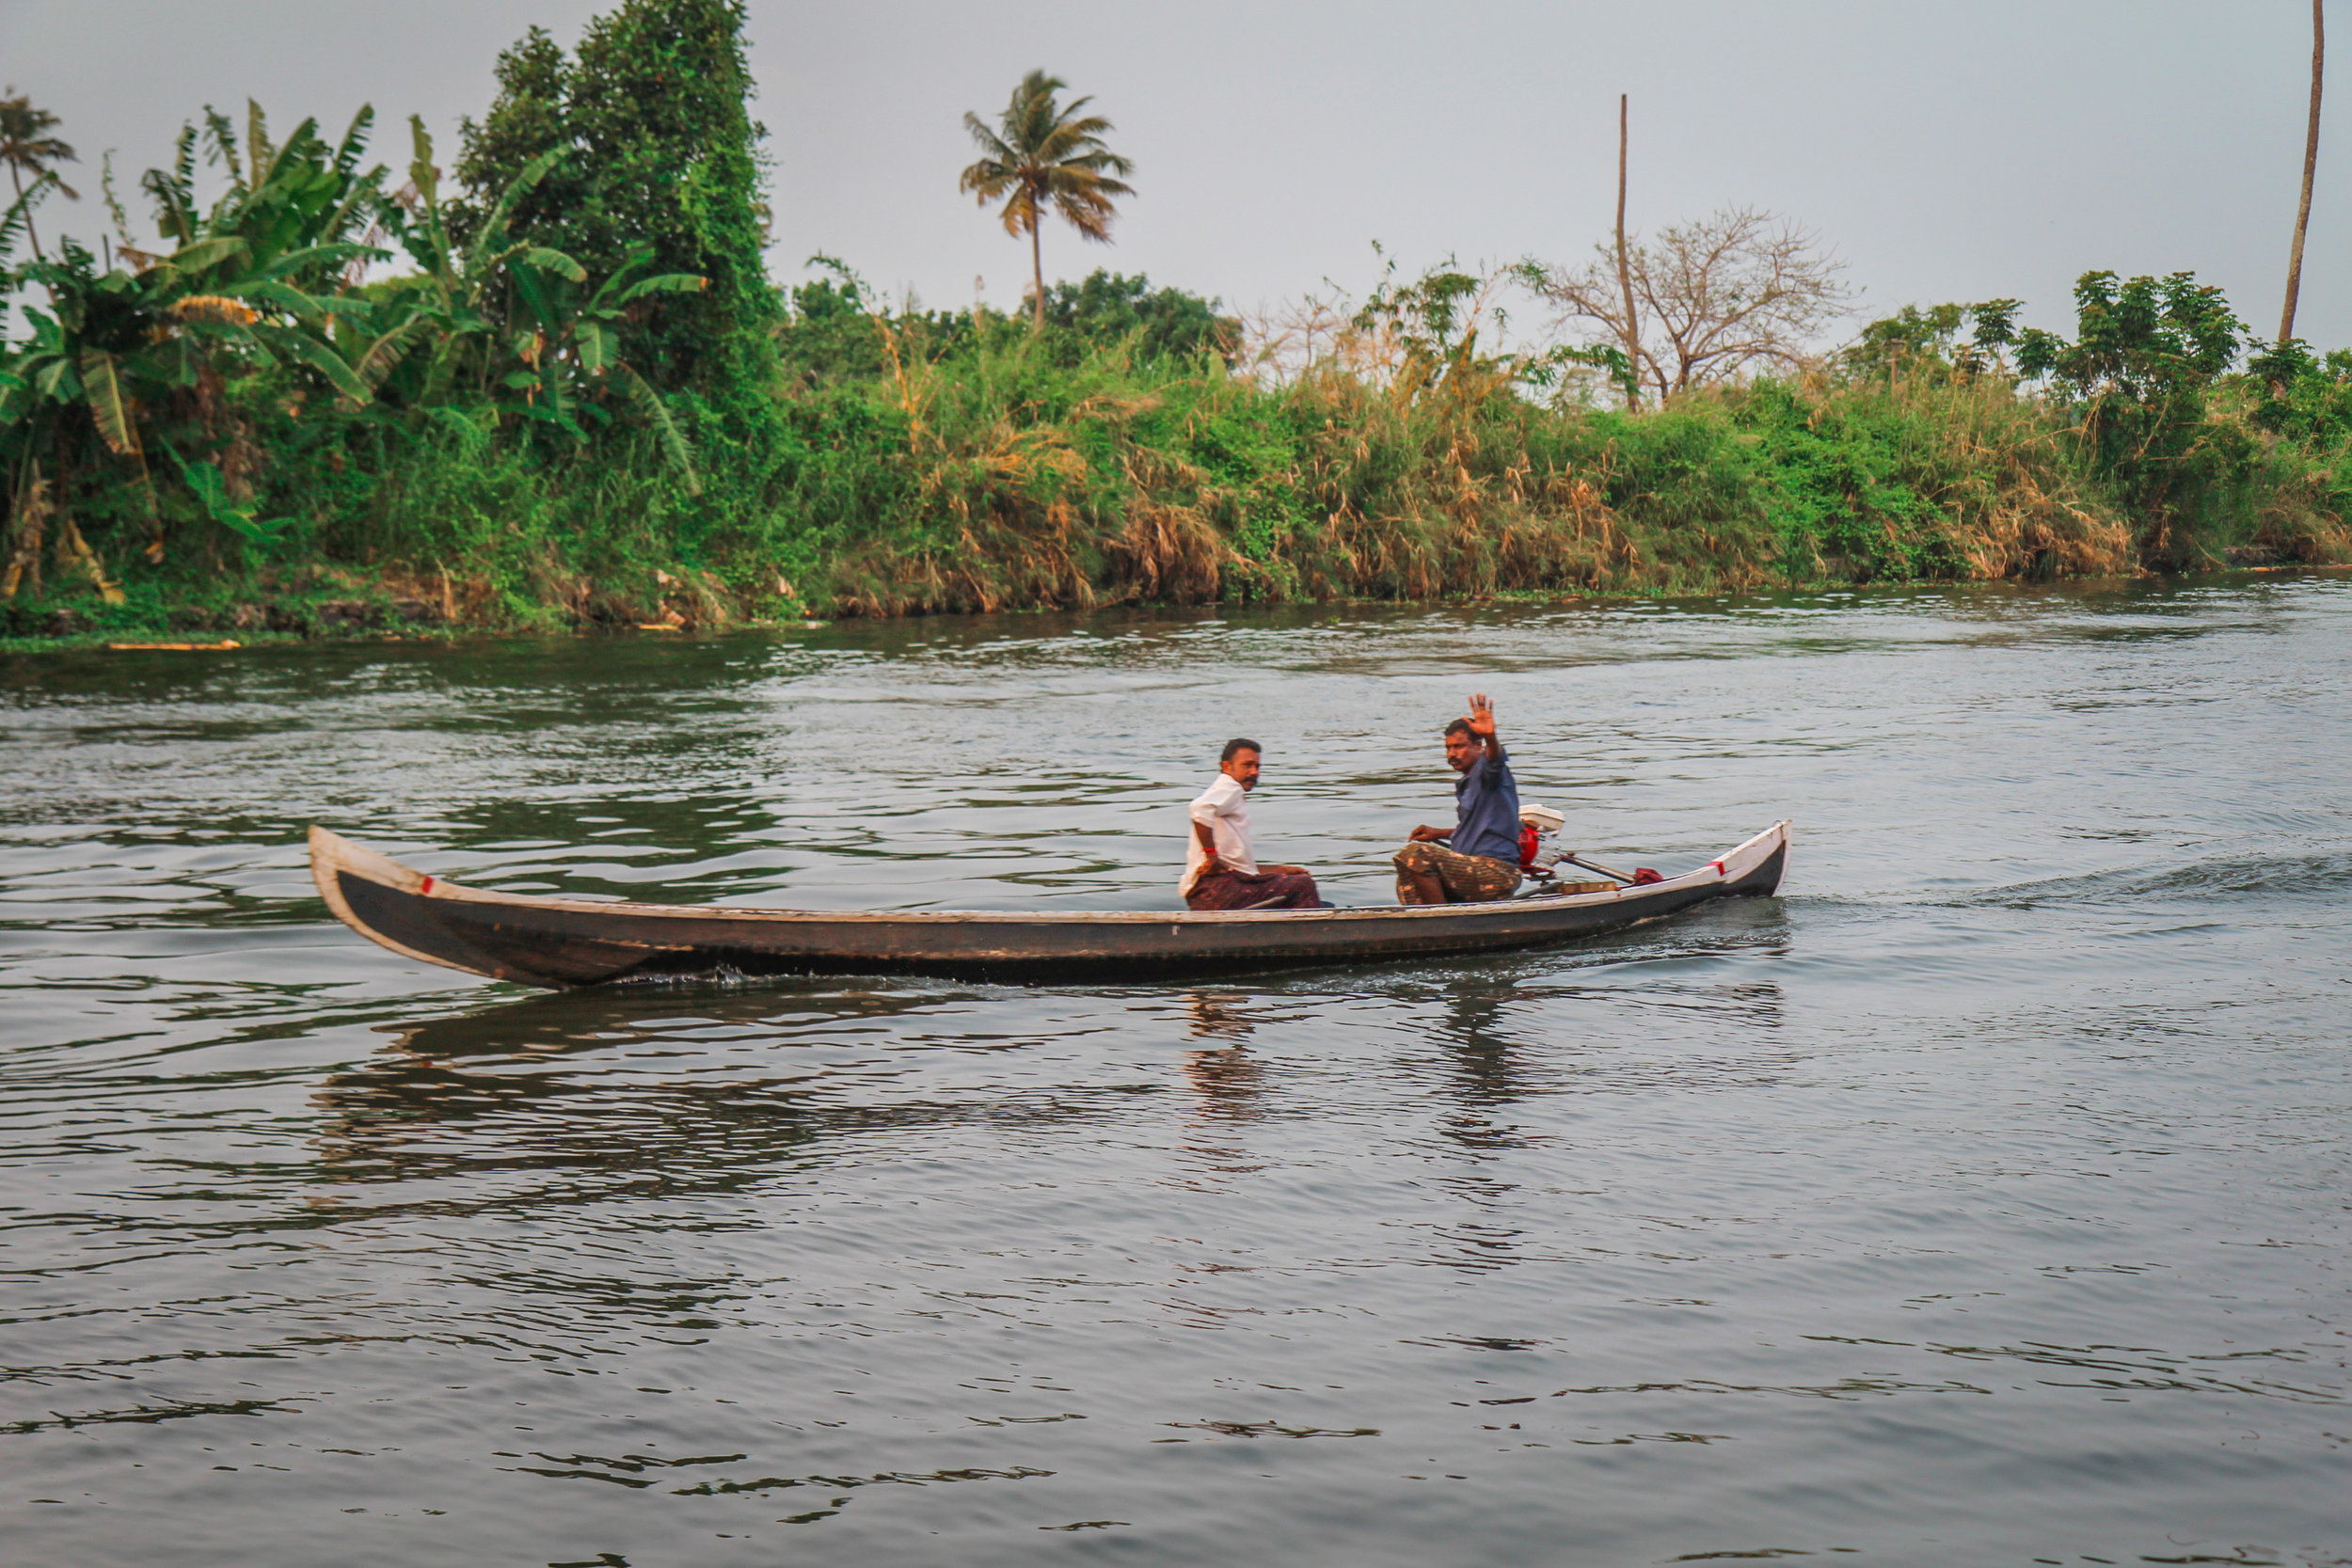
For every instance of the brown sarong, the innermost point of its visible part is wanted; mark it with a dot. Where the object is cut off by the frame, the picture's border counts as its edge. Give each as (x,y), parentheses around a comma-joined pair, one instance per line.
(1232,890)
(1467,878)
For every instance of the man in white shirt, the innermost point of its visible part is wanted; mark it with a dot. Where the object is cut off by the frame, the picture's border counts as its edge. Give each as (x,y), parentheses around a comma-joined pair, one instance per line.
(1220,868)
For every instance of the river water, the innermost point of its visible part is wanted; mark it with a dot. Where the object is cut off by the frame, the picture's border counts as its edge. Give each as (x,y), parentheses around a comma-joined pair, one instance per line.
(1981,1199)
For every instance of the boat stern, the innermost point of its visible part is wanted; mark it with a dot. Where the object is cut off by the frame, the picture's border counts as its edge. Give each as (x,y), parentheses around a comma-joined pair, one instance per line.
(1754,869)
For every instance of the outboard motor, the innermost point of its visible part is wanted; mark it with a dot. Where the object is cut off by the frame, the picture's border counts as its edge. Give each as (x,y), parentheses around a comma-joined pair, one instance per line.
(1541,855)
(1537,853)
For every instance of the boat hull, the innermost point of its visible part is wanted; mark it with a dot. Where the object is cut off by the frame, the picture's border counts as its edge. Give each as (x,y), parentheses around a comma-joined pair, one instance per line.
(560,943)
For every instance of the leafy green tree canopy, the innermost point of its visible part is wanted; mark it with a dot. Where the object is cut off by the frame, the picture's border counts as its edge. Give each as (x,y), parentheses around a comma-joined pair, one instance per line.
(2310,395)
(1167,323)
(2145,339)
(1925,340)
(2147,354)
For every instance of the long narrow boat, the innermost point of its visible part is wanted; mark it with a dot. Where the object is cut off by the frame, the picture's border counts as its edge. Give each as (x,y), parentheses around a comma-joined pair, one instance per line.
(571,942)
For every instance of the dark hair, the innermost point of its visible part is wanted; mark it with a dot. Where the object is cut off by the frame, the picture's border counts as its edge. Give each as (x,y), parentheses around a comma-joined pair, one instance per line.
(1237,744)
(1460,726)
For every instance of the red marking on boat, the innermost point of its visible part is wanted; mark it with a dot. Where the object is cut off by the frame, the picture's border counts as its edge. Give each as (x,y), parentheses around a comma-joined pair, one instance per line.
(426,887)
(1717,864)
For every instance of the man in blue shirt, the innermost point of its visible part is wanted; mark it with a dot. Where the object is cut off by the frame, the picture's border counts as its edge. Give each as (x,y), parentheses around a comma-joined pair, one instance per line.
(1482,862)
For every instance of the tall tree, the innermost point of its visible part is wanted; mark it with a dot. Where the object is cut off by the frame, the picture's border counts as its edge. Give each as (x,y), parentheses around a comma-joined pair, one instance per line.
(2311,164)
(28,149)
(1041,153)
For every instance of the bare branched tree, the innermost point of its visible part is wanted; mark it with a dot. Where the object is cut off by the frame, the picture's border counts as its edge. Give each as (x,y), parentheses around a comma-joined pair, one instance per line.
(1281,343)
(1728,294)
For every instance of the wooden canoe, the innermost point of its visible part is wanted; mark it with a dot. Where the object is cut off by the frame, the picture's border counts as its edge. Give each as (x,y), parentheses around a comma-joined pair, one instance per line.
(570,941)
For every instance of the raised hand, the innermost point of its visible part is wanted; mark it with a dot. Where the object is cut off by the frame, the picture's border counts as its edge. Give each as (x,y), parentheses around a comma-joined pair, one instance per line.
(1481,716)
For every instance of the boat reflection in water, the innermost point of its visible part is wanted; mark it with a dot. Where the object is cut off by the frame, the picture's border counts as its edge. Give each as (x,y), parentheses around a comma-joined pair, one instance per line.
(579,1094)
(626,1016)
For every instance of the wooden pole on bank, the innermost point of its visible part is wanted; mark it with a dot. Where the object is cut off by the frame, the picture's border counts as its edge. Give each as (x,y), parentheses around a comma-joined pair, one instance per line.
(2311,164)
(1625,274)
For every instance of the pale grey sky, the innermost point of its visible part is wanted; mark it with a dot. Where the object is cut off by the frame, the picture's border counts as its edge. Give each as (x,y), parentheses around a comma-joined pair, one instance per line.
(1948,151)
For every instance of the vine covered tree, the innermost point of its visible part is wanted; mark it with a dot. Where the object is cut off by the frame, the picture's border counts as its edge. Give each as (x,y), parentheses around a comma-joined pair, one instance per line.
(1040,154)
(658,164)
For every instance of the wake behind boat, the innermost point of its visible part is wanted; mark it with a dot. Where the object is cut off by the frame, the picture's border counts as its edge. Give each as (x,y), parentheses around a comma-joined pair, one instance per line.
(566,941)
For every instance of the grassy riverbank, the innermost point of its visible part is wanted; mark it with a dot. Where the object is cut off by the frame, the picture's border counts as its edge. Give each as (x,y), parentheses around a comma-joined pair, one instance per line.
(1015,470)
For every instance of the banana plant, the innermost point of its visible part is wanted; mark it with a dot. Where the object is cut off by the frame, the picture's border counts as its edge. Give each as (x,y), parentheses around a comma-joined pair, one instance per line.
(116,334)
(130,357)
(571,349)
(457,294)
(249,283)
(41,385)
(290,203)
(119,344)
(505,316)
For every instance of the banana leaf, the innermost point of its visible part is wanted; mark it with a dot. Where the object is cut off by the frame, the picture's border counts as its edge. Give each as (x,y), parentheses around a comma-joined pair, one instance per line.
(675,446)
(108,406)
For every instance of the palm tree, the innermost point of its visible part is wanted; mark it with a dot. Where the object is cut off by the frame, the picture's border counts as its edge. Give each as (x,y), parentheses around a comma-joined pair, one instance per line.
(28,147)
(1041,153)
